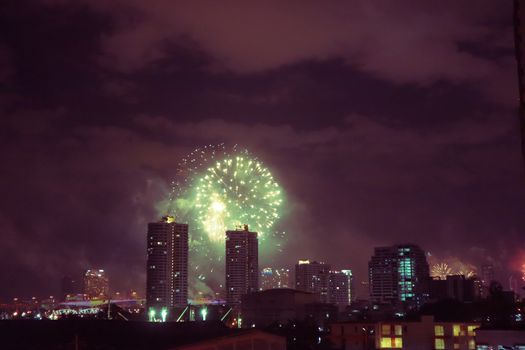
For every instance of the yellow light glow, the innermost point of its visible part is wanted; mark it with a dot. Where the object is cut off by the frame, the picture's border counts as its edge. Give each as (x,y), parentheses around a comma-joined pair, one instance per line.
(456,330)
(386,342)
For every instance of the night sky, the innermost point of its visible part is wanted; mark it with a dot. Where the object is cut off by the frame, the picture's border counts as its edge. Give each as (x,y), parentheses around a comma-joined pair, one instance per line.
(385,122)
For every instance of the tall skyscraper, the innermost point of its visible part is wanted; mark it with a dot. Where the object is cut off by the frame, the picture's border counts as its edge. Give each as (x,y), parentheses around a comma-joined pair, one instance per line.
(167,266)
(487,276)
(351,288)
(399,274)
(272,278)
(242,264)
(338,288)
(313,277)
(96,284)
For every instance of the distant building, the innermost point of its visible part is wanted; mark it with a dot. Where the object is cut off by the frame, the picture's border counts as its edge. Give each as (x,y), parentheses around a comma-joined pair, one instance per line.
(313,277)
(167,266)
(283,305)
(96,284)
(242,260)
(70,287)
(351,289)
(487,276)
(409,335)
(272,278)
(338,288)
(399,275)
(455,287)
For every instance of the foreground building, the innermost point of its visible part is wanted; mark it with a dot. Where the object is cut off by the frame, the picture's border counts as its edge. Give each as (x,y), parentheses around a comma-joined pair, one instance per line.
(96,284)
(242,264)
(399,275)
(409,335)
(167,266)
(496,339)
(313,277)
(284,305)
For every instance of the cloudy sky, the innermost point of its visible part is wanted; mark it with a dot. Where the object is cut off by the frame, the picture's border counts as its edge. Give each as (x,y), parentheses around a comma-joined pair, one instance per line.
(385,122)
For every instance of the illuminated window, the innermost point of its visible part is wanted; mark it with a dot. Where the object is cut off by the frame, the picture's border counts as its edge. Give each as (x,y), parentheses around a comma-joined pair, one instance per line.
(456,346)
(456,329)
(439,344)
(398,343)
(471,330)
(385,329)
(439,331)
(385,343)
(472,344)
(398,330)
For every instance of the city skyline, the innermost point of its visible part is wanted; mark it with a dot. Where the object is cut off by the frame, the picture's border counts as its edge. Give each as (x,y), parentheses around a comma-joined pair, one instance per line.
(382,124)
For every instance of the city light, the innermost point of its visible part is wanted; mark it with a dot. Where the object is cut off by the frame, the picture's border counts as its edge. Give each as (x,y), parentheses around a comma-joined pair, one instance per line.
(204,313)
(164,314)
(152,315)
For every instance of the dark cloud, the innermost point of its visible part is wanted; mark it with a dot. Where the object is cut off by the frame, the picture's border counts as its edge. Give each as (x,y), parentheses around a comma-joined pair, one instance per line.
(384,122)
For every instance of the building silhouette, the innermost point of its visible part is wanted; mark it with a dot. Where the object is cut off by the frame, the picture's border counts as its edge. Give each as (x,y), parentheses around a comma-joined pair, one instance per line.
(96,284)
(69,287)
(242,264)
(167,265)
(313,277)
(399,275)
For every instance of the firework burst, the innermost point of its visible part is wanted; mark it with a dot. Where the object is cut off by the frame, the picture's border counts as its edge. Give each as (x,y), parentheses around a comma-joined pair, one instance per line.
(440,271)
(217,189)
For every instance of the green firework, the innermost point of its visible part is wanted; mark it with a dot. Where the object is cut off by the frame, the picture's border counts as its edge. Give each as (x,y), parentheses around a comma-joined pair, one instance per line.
(235,191)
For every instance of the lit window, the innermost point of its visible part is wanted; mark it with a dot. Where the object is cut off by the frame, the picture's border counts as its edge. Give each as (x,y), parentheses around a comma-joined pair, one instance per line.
(439,343)
(385,343)
(385,329)
(472,344)
(439,331)
(398,343)
(398,329)
(456,329)
(456,346)
(472,330)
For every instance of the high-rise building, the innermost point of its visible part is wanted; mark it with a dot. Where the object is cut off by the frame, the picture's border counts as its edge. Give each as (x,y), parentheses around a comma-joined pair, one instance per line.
(313,277)
(487,276)
(70,287)
(167,266)
(351,288)
(338,288)
(272,278)
(399,274)
(242,264)
(96,284)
